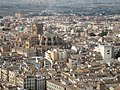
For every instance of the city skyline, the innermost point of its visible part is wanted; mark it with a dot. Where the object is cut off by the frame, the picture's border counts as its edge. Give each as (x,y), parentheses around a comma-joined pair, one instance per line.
(59,45)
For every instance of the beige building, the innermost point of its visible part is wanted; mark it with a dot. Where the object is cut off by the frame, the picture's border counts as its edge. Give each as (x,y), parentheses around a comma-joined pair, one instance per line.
(37,28)
(20,80)
(12,76)
(55,56)
(27,52)
(73,61)
(5,74)
(32,41)
(6,48)
(54,85)
(18,15)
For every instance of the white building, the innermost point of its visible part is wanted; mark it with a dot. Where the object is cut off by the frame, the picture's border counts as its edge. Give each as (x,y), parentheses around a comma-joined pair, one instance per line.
(106,51)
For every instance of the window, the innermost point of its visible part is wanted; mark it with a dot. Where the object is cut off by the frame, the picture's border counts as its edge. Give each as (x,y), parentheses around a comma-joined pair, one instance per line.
(94,88)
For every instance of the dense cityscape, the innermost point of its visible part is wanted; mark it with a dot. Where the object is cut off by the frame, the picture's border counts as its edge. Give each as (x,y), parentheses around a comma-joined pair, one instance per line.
(66,49)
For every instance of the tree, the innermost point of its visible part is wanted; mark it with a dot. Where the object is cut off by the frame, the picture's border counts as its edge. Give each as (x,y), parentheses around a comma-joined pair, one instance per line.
(5,29)
(117,55)
(92,34)
(103,33)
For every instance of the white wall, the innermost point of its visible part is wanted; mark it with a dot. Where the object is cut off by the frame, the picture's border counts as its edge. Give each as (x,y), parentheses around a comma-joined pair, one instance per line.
(106,52)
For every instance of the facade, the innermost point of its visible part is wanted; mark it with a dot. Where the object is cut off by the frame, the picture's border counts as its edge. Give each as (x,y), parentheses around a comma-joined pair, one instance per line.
(56,56)
(12,76)
(106,52)
(72,63)
(20,81)
(29,83)
(37,28)
(4,74)
(0,73)
(101,86)
(32,41)
(6,48)
(50,39)
(54,85)
(62,54)
(35,83)
(40,83)
(27,52)
(18,15)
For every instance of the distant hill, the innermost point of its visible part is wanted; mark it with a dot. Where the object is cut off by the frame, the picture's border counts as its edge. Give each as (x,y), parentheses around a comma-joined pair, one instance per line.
(89,7)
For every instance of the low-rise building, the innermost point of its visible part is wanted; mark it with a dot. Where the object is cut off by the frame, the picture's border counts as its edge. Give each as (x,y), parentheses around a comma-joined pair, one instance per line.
(54,85)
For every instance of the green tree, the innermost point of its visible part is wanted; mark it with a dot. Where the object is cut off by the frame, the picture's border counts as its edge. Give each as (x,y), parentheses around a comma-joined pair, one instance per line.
(117,55)
(92,34)
(103,33)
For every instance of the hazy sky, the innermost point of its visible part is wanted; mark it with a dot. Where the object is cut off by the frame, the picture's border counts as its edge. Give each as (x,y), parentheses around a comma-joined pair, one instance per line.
(58,1)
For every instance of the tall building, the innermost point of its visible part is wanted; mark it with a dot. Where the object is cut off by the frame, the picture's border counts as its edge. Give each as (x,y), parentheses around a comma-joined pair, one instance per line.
(101,86)
(29,83)
(35,82)
(107,52)
(55,57)
(56,54)
(40,83)
(37,28)
(18,15)
(49,38)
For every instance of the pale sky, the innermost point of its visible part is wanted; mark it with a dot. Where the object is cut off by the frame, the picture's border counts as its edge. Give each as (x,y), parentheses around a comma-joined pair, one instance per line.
(64,1)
